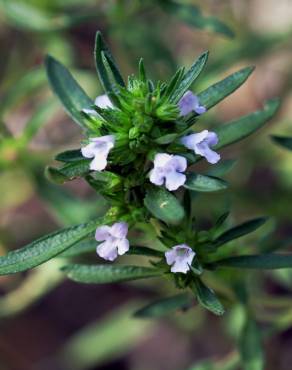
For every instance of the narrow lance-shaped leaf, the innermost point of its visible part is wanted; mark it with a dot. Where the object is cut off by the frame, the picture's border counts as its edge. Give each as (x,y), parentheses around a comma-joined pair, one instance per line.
(245,126)
(222,168)
(192,15)
(71,95)
(165,306)
(262,261)
(102,274)
(250,346)
(163,205)
(45,248)
(240,230)
(207,298)
(68,172)
(105,63)
(203,183)
(220,90)
(284,142)
(40,118)
(73,155)
(190,76)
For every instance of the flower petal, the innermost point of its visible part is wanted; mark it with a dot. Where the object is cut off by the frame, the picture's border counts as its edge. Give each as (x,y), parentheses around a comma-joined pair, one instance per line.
(188,103)
(123,246)
(103,102)
(162,159)
(119,230)
(99,163)
(157,176)
(102,233)
(107,250)
(190,141)
(90,112)
(210,155)
(170,256)
(179,163)
(200,109)
(212,138)
(174,180)
(89,150)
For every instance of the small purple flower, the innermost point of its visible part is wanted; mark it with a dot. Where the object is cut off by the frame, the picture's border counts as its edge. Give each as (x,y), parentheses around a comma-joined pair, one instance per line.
(98,148)
(180,257)
(190,103)
(168,168)
(114,240)
(201,142)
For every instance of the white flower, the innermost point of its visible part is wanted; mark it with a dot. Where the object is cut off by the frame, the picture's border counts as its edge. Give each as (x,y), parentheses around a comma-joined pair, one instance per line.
(98,148)
(180,257)
(103,101)
(114,240)
(190,103)
(168,168)
(201,142)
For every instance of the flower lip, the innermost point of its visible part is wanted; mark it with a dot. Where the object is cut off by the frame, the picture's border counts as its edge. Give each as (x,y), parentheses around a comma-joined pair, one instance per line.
(98,149)
(180,258)
(201,142)
(114,240)
(190,103)
(168,169)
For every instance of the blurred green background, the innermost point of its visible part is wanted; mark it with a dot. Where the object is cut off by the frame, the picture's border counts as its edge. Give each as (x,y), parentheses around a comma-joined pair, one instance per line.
(49,323)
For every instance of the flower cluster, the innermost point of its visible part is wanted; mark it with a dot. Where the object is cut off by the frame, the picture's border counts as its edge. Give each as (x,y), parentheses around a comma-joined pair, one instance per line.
(168,170)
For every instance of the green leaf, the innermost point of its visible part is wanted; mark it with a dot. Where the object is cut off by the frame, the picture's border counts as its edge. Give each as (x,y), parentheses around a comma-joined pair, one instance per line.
(68,172)
(262,261)
(105,339)
(102,274)
(41,116)
(250,346)
(203,183)
(217,92)
(44,248)
(105,63)
(192,15)
(245,126)
(145,251)
(71,95)
(284,142)
(23,88)
(239,231)
(163,205)
(166,139)
(70,156)
(27,16)
(222,168)
(190,76)
(165,306)
(207,298)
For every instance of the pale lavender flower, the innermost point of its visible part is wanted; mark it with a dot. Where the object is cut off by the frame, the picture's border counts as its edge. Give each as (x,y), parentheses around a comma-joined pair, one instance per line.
(180,257)
(168,168)
(98,148)
(114,240)
(201,142)
(103,101)
(190,103)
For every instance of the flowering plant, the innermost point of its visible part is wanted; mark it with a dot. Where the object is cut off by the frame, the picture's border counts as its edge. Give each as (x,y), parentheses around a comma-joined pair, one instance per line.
(141,145)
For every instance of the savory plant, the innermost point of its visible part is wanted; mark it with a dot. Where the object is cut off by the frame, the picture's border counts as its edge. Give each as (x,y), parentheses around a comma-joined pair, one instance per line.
(140,150)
